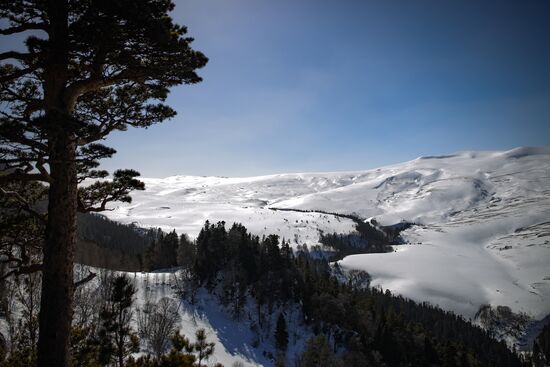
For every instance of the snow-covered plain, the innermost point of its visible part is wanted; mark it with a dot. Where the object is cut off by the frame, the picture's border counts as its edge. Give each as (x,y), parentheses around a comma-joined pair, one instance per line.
(483,233)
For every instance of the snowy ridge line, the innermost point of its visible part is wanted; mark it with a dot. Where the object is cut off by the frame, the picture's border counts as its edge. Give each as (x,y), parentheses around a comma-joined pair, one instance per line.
(470,247)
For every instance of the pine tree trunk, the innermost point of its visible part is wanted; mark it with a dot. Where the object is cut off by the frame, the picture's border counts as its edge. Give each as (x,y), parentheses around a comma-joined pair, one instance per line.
(57,276)
(56,306)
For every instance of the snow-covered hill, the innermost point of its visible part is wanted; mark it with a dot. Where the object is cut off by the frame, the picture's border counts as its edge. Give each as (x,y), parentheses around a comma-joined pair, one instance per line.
(483,233)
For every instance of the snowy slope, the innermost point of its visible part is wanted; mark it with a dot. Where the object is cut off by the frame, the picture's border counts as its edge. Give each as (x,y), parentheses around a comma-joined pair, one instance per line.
(234,340)
(483,233)
(184,203)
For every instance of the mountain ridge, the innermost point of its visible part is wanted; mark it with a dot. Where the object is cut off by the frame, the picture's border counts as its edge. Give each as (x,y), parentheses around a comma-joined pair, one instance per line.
(480,217)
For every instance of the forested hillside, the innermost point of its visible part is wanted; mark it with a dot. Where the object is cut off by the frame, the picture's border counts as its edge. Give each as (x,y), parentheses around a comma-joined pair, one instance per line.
(354,324)
(108,244)
(357,325)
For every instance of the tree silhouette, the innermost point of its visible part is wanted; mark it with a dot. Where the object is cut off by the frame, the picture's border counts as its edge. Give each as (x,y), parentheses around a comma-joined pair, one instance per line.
(281,334)
(89,68)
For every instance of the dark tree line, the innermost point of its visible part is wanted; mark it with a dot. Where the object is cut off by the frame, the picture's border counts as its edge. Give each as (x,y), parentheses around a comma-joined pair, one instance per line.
(378,235)
(108,244)
(127,247)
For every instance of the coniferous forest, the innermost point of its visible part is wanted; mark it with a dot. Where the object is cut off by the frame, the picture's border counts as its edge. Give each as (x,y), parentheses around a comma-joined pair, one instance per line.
(356,325)
(372,327)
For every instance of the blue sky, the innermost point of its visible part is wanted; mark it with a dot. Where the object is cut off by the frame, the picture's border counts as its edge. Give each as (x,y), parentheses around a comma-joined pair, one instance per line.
(318,85)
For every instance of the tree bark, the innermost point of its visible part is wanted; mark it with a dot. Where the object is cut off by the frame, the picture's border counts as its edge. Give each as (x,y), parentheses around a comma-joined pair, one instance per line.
(57,277)
(56,304)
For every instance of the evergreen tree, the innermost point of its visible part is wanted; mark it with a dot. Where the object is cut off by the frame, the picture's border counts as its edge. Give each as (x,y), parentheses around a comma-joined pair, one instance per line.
(89,68)
(317,353)
(186,252)
(179,356)
(281,334)
(211,252)
(151,256)
(541,347)
(203,348)
(117,340)
(168,252)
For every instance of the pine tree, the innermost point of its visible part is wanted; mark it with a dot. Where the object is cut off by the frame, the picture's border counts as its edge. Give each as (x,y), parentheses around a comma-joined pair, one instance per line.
(89,68)
(169,250)
(317,353)
(203,348)
(151,256)
(179,356)
(186,252)
(542,344)
(281,334)
(117,340)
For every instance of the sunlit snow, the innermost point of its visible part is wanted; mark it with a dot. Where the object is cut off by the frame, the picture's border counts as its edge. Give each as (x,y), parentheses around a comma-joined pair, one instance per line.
(483,233)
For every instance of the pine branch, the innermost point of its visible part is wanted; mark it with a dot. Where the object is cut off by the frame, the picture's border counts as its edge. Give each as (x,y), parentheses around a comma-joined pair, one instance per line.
(40,167)
(17,135)
(85,280)
(18,74)
(24,204)
(102,133)
(16,55)
(28,269)
(23,28)
(23,177)
(97,81)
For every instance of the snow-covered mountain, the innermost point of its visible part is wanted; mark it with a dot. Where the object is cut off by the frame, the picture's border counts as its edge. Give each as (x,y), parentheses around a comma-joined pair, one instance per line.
(483,233)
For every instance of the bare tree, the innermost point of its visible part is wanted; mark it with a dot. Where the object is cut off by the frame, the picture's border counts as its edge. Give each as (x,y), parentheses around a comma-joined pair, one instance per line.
(159,323)
(143,313)
(28,298)
(87,302)
(186,285)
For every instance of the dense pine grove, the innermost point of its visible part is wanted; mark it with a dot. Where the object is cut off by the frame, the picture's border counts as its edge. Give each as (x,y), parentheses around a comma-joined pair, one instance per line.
(107,244)
(127,247)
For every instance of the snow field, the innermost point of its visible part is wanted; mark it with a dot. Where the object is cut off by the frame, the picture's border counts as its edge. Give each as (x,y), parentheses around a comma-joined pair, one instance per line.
(482,235)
